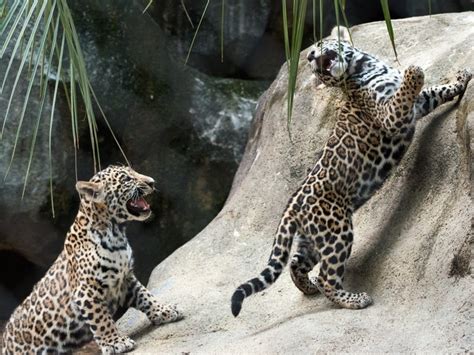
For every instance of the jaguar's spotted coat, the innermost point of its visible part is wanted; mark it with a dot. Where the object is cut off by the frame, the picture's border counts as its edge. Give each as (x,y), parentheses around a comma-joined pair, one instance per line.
(373,131)
(92,277)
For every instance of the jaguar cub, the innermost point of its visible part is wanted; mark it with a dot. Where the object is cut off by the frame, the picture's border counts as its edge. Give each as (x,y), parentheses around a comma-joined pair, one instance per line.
(92,277)
(373,131)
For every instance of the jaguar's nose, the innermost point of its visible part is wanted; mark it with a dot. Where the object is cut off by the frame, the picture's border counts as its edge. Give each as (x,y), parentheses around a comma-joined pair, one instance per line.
(311,55)
(151,183)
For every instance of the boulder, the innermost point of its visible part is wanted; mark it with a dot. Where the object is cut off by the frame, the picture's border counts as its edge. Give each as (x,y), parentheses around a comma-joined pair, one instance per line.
(413,239)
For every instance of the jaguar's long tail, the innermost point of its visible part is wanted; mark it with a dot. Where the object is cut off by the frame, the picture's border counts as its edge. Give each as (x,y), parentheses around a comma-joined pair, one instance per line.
(277,261)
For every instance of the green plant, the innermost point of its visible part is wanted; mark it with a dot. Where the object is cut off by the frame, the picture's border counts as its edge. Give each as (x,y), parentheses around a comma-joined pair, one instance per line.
(388,22)
(293,34)
(43,36)
(293,47)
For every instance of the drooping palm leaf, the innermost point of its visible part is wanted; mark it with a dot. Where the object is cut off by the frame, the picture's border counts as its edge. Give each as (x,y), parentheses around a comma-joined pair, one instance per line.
(388,23)
(42,44)
(293,48)
(342,6)
(196,32)
(222,30)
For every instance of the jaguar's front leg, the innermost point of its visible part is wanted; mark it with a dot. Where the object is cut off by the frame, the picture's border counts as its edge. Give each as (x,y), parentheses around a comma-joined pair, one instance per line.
(397,113)
(90,305)
(432,97)
(140,298)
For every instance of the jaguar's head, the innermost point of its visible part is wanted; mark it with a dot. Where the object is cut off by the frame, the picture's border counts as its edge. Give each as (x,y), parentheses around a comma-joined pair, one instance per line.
(120,191)
(330,60)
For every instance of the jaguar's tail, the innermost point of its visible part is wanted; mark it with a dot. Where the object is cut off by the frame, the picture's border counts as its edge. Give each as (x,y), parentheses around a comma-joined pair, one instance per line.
(277,261)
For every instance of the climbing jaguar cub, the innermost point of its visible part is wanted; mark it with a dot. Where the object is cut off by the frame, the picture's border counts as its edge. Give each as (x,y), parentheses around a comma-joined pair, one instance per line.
(92,277)
(374,129)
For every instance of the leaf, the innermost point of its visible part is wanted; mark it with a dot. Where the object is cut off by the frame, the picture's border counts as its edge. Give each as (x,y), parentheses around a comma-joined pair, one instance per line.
(20,69)
(321,21)
(40,111)
(196,32)
(388,22)
(75,54)
(222,30)
(17,45)
(33,27)
(285,30)
(53,105)
(343,5)
(346,23)
(293,48)
(336,10)
(146,7)
(6,15)
(31,81)
(187,13)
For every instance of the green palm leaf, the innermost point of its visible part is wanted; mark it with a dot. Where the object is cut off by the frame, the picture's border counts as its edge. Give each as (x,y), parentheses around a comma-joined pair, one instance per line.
(42,35)
(293,48)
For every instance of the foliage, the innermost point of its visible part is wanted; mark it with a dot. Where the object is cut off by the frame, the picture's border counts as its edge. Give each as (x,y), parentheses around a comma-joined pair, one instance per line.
(42,34)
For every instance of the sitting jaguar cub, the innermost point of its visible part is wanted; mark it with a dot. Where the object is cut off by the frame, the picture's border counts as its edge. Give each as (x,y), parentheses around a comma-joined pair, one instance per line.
(92,277)
(373,131)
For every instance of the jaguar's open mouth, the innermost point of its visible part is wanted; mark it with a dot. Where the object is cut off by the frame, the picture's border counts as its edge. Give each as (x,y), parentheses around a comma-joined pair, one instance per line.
(138,206)
(326,62)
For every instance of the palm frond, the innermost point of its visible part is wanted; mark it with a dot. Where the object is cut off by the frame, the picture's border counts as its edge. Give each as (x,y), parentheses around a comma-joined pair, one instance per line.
(222,30)
(342,7)
(196,32)
(42,43)
(388,22)
(293,48)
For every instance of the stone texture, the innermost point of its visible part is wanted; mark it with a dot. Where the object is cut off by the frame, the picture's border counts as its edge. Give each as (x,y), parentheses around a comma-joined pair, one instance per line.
(413,239)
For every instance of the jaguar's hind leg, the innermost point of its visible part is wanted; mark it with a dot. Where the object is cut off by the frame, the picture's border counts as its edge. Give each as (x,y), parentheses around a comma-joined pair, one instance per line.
(432,97)
(302,262)
(334,256)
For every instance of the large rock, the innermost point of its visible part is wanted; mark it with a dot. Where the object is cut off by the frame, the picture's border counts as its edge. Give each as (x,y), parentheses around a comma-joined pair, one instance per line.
(413,244)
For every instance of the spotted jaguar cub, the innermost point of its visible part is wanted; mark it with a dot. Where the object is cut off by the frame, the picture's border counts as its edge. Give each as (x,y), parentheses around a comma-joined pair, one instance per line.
(92,277)
(373,131)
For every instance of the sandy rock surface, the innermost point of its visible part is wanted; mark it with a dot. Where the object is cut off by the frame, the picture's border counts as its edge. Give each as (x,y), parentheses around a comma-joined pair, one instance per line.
(413,239)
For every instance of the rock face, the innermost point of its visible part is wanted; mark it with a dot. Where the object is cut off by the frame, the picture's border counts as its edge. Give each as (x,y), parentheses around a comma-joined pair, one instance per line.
(413,239)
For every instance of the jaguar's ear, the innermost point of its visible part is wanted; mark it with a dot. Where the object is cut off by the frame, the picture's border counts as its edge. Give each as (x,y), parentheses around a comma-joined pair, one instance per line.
(91,190)
(340,32)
